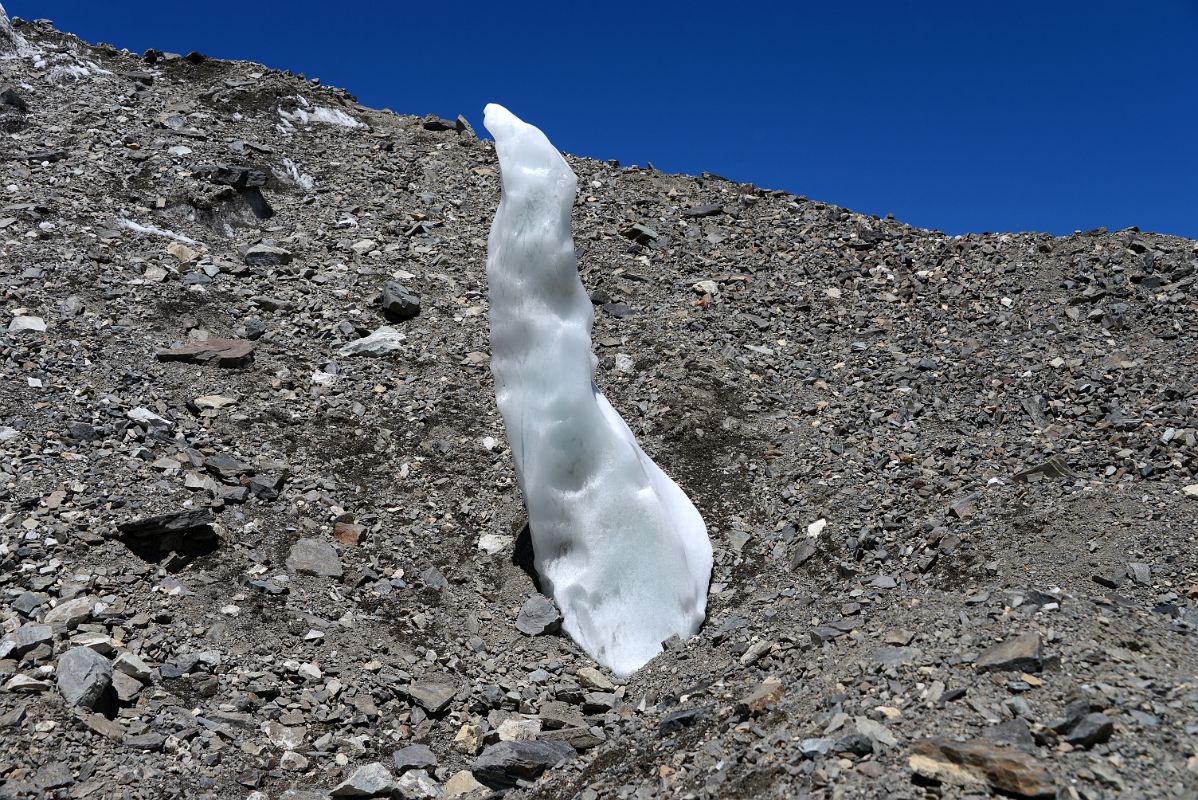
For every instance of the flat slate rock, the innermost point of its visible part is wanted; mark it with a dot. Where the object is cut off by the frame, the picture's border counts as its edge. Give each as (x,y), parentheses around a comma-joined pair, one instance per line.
(1017,653)
(502,764)
(432,697)
(314,557)
(176,522)
(225,352)
(979,763)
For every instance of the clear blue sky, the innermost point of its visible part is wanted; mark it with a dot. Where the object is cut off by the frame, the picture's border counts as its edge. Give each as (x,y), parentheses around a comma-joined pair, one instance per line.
(1052,115)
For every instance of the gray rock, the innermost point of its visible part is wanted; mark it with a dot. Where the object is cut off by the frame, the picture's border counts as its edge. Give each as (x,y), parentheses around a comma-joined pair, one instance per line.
(70,613)
(810,748)
(27,325)
(1090,730)
(432,697)
(83,676)
(414,756)
(10,98)
(132,666)
(538,616)
(179,522)
(314,557)
(1017,653)
(502,764)
(367,781)
(1140,572)
(383,341)
(417,784)
(265,255)
(24,639)
(895,656)
(399,301)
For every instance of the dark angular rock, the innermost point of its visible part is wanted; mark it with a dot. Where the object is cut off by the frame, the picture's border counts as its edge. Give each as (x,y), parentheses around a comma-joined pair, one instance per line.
(677,720)
(10,98)
(857,744)
(265,255)
(83,676)
(178,522)
(414,756)
(1090,730)
(399,301)
(502,764)
(538,616)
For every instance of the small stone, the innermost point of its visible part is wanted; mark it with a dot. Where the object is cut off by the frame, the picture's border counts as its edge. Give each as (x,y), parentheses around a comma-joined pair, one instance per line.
(1140,572)
(83,676)
(368,781)
(432,697)
(383,341)
(180,522)
(151,742)
(556,714)
(417,784)
(464,785)
(518,730)
(981,764)
(265,255)
(27,325)
(133,666)
(492,543)
(214,402)
(762,697)
(468,739)
(414,756)
(349,533)
(810,748)
(293,761)
(224,352)
(1090,730)
(591,678)
(538,616)
(25,638)
(1020,653)
(399,301)
(314,557)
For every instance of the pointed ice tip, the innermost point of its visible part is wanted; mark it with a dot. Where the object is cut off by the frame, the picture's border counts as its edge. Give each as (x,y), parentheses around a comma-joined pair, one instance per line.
(498,120)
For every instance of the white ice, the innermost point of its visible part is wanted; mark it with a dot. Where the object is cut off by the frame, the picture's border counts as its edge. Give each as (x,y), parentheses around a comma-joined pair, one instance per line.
(13,44)
(153,230)
(618,545)
(322,114)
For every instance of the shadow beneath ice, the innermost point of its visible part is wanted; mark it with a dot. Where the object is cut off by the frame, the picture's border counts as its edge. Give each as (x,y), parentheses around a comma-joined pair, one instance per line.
(524,557)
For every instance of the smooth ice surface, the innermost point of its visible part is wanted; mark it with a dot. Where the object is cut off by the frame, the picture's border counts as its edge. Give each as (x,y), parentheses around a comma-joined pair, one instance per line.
(618,545)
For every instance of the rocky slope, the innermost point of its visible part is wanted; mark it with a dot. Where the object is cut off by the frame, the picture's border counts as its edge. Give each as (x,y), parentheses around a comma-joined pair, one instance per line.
(952,482)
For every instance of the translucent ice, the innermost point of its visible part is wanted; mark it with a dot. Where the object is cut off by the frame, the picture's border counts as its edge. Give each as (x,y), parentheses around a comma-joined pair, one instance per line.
(618,545)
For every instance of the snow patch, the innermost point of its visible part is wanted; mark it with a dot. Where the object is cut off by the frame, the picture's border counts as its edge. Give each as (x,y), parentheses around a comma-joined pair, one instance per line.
(154,230)
(301,179)
(618,545)
(13,44)
(320,114)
